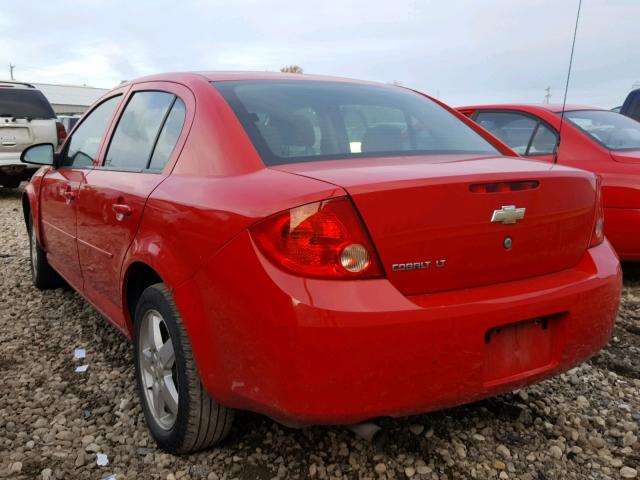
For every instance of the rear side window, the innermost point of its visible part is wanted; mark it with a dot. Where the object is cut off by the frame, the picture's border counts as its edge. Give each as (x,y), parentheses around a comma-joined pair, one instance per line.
(294,121)
(24,103)
(525,135)
(512,128)
(543,142)
(135,136)
(168,136)
(85,141)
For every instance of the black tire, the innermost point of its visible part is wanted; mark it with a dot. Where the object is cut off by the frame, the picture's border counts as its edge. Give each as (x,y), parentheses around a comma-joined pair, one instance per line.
(43,276)
(200,421)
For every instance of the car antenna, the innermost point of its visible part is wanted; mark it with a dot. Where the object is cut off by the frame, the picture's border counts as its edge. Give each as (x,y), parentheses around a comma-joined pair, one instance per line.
(566,86)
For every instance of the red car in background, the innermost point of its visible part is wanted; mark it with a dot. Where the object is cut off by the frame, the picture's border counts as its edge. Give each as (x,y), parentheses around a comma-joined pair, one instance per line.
(319,250)
(597,140)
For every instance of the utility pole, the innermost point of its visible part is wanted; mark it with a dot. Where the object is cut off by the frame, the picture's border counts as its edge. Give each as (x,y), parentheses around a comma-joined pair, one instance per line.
(548,95)
(11,67)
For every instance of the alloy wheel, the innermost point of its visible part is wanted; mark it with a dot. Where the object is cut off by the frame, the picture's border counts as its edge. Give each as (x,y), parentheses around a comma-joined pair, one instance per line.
(158,369)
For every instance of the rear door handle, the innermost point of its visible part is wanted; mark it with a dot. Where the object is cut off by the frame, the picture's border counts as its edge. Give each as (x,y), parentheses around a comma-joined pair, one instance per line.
(121,210)
(68,194)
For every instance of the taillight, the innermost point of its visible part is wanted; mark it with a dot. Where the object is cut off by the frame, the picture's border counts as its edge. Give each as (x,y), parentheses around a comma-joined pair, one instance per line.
(323,239)
(62,133)
(597,236)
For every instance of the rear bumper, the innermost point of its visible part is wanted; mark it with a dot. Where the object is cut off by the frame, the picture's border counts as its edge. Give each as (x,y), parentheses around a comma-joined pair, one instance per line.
(324,352)
(621,226)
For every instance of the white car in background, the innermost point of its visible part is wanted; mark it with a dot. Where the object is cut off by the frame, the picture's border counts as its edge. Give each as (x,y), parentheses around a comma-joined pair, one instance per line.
(26,118)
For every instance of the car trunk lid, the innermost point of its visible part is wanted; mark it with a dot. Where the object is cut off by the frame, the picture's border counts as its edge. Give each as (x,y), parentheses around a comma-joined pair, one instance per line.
(626,156)
(430,217)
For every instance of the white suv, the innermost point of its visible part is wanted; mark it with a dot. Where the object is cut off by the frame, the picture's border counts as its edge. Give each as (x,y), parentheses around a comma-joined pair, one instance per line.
(26,118)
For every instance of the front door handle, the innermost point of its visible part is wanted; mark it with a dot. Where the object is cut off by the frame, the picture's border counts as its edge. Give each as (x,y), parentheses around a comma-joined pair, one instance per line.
(121,210)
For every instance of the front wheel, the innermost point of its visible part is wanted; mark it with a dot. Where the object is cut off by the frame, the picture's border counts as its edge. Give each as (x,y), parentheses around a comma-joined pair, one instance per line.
(42,275)
(180,414)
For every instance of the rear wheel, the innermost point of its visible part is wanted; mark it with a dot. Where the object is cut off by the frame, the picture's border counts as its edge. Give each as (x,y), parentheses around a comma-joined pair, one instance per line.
(180,414)
(42,275)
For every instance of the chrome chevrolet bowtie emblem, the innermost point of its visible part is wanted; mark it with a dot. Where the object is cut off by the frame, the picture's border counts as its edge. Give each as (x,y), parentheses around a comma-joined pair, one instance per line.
(508,214)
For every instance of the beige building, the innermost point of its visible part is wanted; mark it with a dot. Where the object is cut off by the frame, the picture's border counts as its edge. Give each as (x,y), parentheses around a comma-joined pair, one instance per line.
(70,99)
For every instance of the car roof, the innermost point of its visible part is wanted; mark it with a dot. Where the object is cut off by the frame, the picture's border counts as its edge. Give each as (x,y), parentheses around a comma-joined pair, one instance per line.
(218,76)
(550,107)
(12,84)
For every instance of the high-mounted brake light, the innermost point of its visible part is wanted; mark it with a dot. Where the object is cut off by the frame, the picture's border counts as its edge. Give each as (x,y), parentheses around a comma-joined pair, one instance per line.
(323,239)
(500,187)
(597,235)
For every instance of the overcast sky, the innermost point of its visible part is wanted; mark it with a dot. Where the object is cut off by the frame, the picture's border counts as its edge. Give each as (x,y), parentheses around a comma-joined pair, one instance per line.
(463,51)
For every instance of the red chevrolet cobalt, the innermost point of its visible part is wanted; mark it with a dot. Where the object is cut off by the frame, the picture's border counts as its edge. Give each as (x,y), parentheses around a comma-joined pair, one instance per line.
(319,250)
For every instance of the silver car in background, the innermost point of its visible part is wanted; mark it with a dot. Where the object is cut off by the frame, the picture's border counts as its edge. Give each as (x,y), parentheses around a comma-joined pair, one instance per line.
(26,118)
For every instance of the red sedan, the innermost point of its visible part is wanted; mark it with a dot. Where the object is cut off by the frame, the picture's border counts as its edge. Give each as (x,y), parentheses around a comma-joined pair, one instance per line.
(598,140)
(318,250)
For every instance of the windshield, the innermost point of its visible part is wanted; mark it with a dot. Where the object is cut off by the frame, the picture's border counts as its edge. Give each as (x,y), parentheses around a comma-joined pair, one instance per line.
(293,121)
(24,103)
(610,129)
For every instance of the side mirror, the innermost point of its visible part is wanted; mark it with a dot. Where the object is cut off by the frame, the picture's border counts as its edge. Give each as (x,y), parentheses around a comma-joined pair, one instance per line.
(40,154)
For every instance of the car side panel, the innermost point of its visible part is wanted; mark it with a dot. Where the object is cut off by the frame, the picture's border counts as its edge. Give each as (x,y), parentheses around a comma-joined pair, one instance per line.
(32,194)
(622,227)
(188,219)
(104,236)
(59,190)
(620,189)
(218,144)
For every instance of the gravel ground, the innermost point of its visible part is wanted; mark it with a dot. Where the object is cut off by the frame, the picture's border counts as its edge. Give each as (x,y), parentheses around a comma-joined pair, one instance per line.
(54,422)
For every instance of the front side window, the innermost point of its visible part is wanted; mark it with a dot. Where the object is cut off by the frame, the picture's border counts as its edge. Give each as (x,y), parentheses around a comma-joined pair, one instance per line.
(293,121)
(85,141)
(135,136)
(610,129)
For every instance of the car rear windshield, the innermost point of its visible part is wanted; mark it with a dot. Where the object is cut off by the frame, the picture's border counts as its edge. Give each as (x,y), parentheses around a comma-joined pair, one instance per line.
(612,130)
(24,103)
(295,121)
